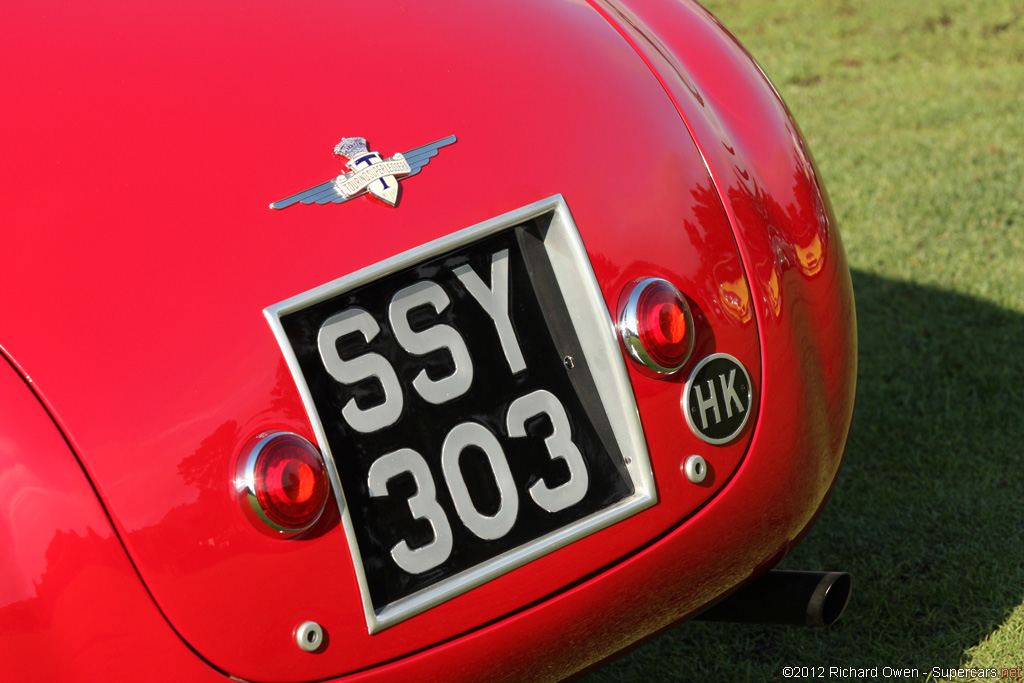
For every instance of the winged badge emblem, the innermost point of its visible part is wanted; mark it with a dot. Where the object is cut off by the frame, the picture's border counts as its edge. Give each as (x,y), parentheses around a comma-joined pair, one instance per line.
(368,172)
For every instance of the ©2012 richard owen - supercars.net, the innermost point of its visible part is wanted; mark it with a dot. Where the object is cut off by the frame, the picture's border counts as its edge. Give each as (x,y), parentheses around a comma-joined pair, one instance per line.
(447,341)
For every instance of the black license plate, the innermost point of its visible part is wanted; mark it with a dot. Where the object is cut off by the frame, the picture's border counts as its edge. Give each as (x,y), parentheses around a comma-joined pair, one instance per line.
(462,413)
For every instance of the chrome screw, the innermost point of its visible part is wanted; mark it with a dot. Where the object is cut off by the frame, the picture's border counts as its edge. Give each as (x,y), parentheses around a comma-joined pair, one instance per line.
(309,636)
(696,469)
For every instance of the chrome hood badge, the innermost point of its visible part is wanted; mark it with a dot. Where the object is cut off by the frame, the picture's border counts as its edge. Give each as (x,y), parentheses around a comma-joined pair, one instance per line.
(368,173)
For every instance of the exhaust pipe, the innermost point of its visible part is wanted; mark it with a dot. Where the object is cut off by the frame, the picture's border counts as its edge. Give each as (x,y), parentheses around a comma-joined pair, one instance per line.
(786,597)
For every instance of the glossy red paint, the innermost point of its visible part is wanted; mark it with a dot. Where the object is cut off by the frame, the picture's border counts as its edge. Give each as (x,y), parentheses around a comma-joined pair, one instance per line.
(71,605)
(785,228)
(144,153)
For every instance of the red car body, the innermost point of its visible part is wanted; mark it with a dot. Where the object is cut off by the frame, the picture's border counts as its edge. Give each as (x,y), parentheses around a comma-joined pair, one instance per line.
(142,145)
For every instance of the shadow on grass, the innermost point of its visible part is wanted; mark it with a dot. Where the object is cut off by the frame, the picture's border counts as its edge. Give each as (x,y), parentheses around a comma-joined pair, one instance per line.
(928,513)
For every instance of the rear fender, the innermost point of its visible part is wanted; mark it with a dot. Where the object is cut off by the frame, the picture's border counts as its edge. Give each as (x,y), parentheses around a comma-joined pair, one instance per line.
(72,606)
(800,287)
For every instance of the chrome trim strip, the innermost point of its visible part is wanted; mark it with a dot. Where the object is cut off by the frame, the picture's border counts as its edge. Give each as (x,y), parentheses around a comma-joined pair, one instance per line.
(597,335)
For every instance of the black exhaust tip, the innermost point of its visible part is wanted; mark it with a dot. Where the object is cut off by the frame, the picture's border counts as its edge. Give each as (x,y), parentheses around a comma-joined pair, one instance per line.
(786,597)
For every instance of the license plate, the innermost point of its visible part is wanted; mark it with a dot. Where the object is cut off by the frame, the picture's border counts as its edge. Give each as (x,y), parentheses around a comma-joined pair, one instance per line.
(473,406)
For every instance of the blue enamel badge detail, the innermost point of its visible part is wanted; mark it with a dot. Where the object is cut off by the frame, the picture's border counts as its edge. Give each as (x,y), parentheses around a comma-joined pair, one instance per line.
(368,172)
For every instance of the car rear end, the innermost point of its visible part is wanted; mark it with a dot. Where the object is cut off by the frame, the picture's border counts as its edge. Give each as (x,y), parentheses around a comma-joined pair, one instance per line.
(450,438)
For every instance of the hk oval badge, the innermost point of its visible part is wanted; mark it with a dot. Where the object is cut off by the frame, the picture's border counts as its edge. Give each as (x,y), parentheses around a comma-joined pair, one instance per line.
(717,399)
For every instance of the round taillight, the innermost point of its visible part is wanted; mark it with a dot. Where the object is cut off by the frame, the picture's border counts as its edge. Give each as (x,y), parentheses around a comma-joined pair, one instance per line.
(283,483)
(655,325)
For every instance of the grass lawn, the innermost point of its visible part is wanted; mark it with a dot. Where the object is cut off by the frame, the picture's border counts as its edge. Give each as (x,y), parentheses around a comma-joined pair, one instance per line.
(915,113)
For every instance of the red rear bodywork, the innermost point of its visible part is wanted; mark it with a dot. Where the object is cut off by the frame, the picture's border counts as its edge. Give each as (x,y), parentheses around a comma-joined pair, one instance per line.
(142,146)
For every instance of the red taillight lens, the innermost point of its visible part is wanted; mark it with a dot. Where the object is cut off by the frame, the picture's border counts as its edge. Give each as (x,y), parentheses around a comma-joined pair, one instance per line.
(664,329)
(656,325)
(284,482)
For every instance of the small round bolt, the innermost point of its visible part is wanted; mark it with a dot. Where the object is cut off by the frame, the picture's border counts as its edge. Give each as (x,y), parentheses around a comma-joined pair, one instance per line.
(696,469)
(569,362)
(309,636)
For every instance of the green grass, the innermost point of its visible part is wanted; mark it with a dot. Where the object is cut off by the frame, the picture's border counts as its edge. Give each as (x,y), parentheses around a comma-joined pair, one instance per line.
(915,114)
